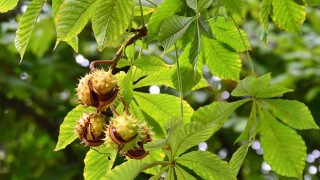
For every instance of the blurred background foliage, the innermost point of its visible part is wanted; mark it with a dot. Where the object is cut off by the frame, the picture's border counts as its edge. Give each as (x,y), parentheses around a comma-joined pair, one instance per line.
(36,95)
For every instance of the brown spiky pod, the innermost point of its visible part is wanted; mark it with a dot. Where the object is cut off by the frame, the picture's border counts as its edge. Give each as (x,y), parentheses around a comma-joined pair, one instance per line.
(98,89)
(90,129)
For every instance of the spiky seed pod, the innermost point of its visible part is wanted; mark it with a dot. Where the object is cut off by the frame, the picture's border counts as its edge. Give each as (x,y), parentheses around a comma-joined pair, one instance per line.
(145,133)
(90,129)
(137,152)
(108,141)
(126,126)
(103,82)
(83,90)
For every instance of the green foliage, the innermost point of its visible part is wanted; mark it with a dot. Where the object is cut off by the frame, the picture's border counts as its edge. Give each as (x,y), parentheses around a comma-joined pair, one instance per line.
(127,170)
(8,5)
(67,133)
(238,158)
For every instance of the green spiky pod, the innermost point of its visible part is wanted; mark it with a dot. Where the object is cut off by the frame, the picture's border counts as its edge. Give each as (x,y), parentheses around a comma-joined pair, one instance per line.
(90,129)
(103,82)
(83,90)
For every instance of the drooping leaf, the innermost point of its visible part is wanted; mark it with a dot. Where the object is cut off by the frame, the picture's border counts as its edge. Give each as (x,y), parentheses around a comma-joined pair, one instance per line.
(264,18)
(207,165)
(221,60)
(227,32)
(110,20)
(193,4)
(238,158)
(127,170)
(67,132)
(189,135)
(126,86)
(291,112)
(216,113)
(288,15)
(312,2)
(26,26)
(258,87)
(250,130)
(158,78)
(283,149)
(162,107)
(98,162)
(182,174)
(195,47)
(172,30)
(166,9)
(235,6)
(205,28)
(204,4)
(7,5)
(150,63)
(72,16)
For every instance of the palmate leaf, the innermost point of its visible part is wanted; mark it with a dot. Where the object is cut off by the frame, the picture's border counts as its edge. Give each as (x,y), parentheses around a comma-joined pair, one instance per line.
(205,28)
(127,170)
(291,112)
(158,78)
(227,32)
(288,15)
(110,20)
(195,47)
(283,148)
(250,131)
(189,135)
(26,25)
(235,6)
(189,78)
(67,128)
(97,164)
(172,30)
(258,87)
(217,113)
(125,82)
(7,5)
(221,60)
(264,18)
(199,5)
(312,2)
(162,107)
(238,158)
(150,63)
(166,9)
(182,174)
(72,16)
(207,165)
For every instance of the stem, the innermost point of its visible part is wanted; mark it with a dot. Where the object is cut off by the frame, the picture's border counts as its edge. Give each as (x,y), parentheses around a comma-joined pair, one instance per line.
(151,2)
(247,51)
(179,81)
(142,20)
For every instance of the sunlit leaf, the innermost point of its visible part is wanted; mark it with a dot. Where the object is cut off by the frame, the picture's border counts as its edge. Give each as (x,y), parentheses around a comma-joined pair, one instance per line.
(250,130)
(126,86)
(264,17)
(182,174)
(235,6)
(166,9)
(172,30)
(145,10)
(127,170)
(26,25)
(110,20)
(312,2)
(238,158)
(7,5)
(283,149)
(98,162)
(288,15)
(150,63)
(67,128)
(195,46)
(291,112)
(207,165)
(158,78)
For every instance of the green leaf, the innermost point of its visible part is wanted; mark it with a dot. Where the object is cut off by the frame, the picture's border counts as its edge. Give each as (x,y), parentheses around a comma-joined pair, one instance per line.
(26,24)
(216,113)
(283,148)
(235,6)
(145,10)
(259,87)
(72,16)
(238,158)
(250,131)
(291,112)
(126,86)
(123,63)
(110,20)
(195,47)
(312,2)
(158,78)
(222,61)
(182,174)
(264,19)
(166,9)
(207,165)
(172,30)
(6,5)
(189,78)
(162,107)
(192,4)
(288,15)
(97,164)
(189,135)
(204,4)
(127,170)
(205,28)
(67,133)
(172,125)
(150,63)
(227,32)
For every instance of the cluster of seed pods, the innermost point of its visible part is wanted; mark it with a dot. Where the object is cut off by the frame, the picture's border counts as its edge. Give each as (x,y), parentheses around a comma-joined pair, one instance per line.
(124,132)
